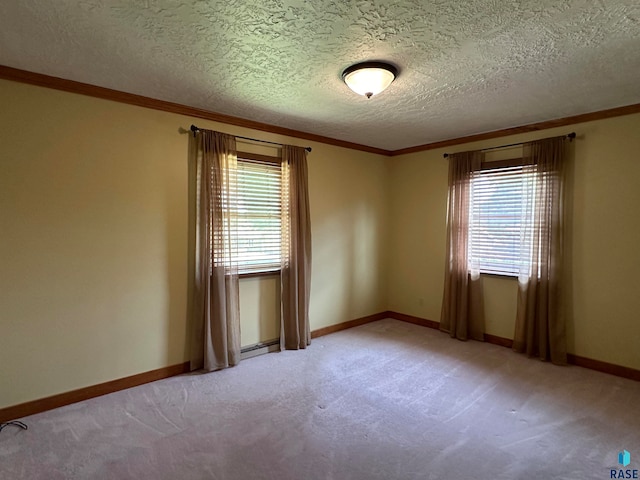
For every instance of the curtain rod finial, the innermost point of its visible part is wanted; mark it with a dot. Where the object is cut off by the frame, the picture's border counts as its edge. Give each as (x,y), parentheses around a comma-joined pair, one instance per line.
(194,129)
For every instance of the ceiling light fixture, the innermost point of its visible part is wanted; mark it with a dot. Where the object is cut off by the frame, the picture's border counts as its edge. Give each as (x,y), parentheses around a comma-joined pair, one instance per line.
(369,78)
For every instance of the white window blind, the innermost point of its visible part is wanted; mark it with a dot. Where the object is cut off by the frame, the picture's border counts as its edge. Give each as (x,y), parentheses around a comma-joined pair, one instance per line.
(259,216)
(500,219)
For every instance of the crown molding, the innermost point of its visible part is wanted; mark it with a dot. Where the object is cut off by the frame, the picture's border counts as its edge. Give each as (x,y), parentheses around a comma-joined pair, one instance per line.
(39,79)
(56,83)
(533,127)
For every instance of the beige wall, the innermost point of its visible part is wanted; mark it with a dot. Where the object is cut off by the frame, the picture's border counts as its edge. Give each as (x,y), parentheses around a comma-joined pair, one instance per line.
(94,241)
(604,237)
(94,228)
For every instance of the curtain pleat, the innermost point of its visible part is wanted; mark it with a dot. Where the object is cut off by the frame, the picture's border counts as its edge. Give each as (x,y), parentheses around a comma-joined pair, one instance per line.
(216,335)
(462,313)
(295,274)
(540,324)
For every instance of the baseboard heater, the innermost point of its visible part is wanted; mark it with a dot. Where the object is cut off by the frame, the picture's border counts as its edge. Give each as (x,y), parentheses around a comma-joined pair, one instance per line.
(260,349)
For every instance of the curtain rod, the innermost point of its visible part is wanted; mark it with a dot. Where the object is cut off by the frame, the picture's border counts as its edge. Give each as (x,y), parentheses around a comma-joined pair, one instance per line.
(194,129)
(570,136)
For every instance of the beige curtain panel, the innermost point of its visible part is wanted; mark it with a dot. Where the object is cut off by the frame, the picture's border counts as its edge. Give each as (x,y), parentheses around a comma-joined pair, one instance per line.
(216,316)
(295,275)
(540,324)
(462,313)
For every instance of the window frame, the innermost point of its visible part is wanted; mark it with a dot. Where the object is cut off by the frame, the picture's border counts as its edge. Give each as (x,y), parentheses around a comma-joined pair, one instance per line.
(257,158)
(488,165)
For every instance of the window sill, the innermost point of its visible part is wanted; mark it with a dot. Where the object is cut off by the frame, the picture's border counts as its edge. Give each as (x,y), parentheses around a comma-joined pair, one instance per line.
(499,275)
(271,273)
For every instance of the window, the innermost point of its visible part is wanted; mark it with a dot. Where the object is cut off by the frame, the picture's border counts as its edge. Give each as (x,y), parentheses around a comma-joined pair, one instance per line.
(500,218)
(259,214)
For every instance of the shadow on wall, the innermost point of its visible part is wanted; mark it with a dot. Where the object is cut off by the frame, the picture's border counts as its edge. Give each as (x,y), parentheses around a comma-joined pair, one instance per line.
(269,312)
(364,271)
(346,274)
(191,235)
(568,287)
(331,279)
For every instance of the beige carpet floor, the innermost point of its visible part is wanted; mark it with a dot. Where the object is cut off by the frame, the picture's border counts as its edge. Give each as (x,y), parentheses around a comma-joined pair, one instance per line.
(387,400)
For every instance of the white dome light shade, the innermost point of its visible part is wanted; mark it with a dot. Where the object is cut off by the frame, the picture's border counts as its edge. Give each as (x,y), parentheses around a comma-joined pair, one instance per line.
(369,78)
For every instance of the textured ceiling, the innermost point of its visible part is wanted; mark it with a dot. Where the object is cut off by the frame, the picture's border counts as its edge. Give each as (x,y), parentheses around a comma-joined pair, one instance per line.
(466,67)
